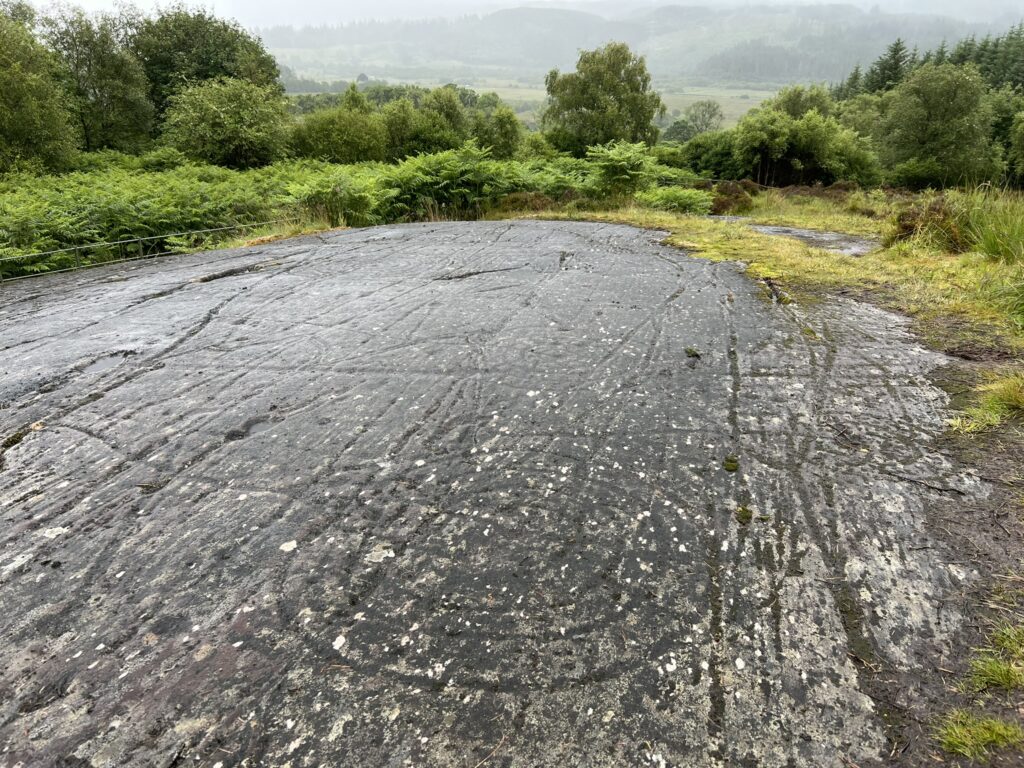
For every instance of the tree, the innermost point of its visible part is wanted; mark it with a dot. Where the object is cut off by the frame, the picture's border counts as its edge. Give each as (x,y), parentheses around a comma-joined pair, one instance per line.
(779,150)
(19,12)
(938,128)
(414,131)
(1004,104)
(181,47)
(608,98)
(682,130)
(797,100)
(228,122)
(1017,145)
(853,86)
(863,113)
(446,105)
(341,135)
(705,116)
(35,125)
(107,83)
(499,130)
(714,154)
(354,101)
(890,69)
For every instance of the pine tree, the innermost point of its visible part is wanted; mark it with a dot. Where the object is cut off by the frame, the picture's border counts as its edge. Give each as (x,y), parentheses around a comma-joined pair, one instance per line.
(891,68)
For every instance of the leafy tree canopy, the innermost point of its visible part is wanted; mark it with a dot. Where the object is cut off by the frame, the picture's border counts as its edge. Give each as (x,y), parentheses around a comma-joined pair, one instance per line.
(938,128)
(705,115)
(499,130)
(797,100)
(35,125)
(608,98)
(181,46)
(341,135)
(235,123)
(109,90)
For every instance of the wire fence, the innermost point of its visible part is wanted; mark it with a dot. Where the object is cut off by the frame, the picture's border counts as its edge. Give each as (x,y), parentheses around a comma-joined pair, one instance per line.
(75,257)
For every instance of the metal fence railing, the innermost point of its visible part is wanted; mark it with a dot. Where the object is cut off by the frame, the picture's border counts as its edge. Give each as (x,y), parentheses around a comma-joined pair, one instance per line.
(74,257)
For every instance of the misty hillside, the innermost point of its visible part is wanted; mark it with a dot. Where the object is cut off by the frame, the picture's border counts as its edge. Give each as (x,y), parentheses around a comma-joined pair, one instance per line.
(771,44)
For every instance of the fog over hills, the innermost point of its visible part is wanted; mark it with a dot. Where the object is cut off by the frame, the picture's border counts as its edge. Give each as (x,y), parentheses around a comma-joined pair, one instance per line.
(767,42)
(264,13)
(764,43)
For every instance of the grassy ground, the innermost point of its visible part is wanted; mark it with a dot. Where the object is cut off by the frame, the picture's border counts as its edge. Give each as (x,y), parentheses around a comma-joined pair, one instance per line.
(957,300)
(987,726)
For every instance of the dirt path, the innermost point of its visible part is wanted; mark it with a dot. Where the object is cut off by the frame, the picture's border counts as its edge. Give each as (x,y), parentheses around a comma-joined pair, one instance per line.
(503,494)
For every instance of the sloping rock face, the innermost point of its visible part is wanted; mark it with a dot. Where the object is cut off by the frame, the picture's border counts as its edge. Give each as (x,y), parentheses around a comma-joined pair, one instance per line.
(529,494)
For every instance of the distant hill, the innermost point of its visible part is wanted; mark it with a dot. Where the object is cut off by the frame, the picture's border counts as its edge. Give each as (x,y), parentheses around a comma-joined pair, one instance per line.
(769,44)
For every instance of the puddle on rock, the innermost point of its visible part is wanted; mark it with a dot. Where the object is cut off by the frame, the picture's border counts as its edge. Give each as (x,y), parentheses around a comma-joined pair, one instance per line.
(837,242)
(828,241)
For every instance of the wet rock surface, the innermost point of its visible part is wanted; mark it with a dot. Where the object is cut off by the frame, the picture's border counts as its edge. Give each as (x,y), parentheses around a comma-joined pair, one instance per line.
(850,245)
(517,494)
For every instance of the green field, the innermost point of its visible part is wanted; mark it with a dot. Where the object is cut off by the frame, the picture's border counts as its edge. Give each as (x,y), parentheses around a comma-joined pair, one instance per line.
(524,98)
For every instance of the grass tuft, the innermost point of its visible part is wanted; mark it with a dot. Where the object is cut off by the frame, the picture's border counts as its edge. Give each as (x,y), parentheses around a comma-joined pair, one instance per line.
(990,671)
(998,401)
(965,734)
(1010,640)
(995,224)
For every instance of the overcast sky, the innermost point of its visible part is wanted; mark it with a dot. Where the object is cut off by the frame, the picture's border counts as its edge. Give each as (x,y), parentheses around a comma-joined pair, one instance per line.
(257,13)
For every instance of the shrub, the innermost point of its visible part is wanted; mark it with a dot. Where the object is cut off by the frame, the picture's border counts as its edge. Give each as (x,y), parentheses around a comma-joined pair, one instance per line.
(713,155)
(667,176)
(535,146)
(670,153)
(690,201)
(779,150)
(162,159)
(621,168)
(500,131)
(453,184)
(731,198)
(341,136)
(413,131)
(226,122)
(934,221)
(561,177)
(986,221)
(1017,145)
(115,204)
(340,198)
